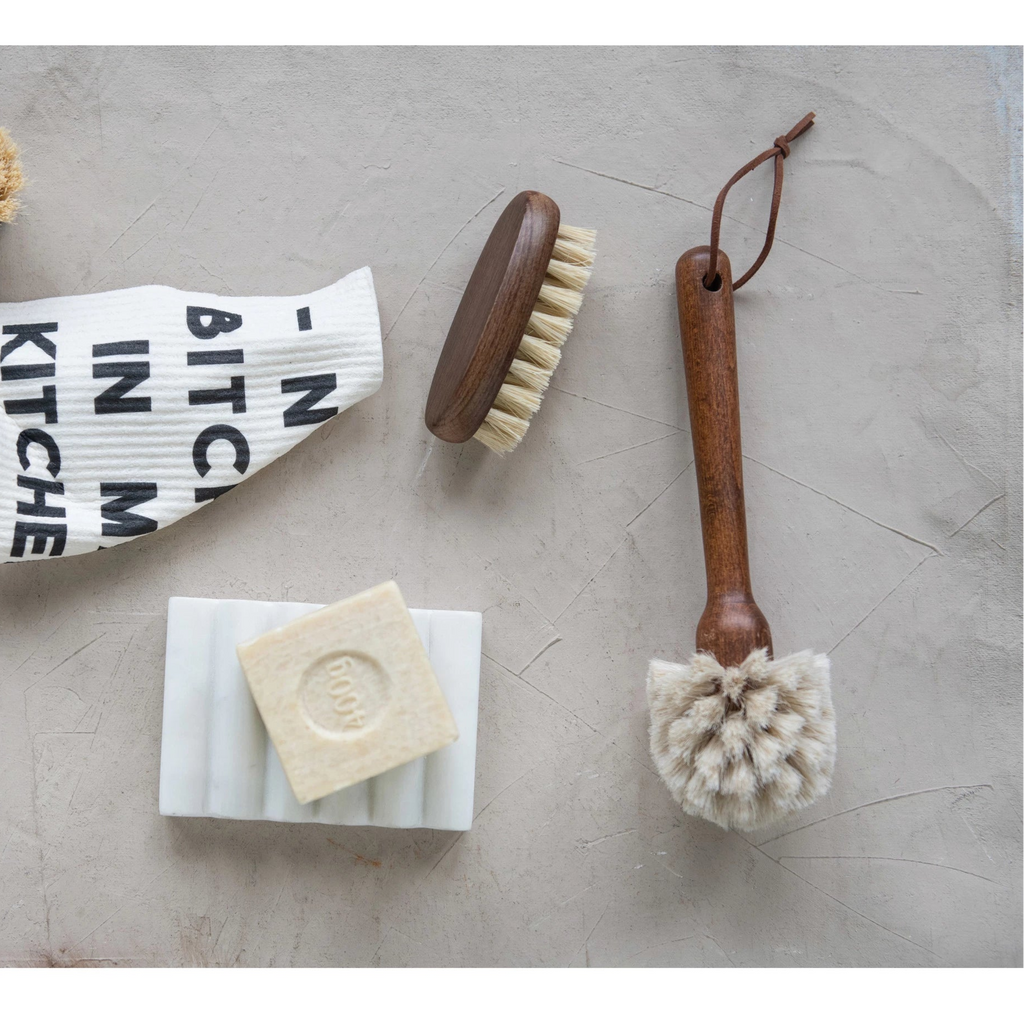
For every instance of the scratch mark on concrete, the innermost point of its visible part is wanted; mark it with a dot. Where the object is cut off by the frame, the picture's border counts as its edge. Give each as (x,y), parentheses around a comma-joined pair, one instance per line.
(616,408)
(646,767)
(599,571)
(500,792)
(81,775)
(131,225)
(70,656)
(670,870)
(631,448)
(835,899)
(543,693)
(141,247)
(202,196)
(437,862)
(878,604)
(988,504)
(559,906)
(667,942)
(658,495)
(206,270)
(586,940)
(635,184)
(977,838)
(423,464)
(158,197)
(841,504)
(546,647)
(437,257)
(969,465)
(99,926)
(708,935)
(573,714)
(874,803)
(373,955)
(587,843)
(900,860)
(359,858)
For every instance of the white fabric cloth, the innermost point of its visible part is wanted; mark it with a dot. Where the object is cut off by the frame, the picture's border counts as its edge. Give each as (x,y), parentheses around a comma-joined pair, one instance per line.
(123,411)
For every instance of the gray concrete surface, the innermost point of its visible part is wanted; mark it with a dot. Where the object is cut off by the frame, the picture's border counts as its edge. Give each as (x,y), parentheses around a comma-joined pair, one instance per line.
(880,352)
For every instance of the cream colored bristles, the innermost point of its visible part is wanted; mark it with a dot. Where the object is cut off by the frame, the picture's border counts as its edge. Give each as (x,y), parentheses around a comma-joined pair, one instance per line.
(563,301)
(569,274)
(500,431)
(743,746)
(528,375)
(534,350)
(583,237)
(572,252)
(540,349)
(11,178)
(551,328)
(517,400)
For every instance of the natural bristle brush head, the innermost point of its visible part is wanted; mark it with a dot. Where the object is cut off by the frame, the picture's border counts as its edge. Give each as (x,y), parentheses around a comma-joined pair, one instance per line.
(747,745)
(11,179)
(514,317)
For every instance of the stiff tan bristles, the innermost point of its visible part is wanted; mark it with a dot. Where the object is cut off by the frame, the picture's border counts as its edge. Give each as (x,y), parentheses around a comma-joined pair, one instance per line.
(528,375)
(747,745)
(561,301)
(533,350)
(517,400)
(540,349)
(572,252)
(11,178)
(549,327)
(569,274)
(500,431)
(583,237)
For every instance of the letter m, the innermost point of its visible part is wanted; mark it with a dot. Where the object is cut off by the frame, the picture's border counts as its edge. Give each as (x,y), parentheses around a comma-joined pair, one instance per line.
(317,386)
(121,522)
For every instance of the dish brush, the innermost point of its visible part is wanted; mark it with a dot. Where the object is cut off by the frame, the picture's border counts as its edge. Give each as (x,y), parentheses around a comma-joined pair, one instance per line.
(739,738)
(11,179)
(507,335)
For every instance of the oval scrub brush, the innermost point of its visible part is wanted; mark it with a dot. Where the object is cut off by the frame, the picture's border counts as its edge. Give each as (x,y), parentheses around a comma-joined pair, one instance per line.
(11,179)
(740,739)
(508,331)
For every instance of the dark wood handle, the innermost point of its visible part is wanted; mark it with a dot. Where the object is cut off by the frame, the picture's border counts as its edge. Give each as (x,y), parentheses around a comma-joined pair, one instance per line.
(732,625)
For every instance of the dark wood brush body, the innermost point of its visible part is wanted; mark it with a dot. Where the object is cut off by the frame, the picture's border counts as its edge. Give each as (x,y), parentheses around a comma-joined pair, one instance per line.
(507,336)
(732,625)
(492,317)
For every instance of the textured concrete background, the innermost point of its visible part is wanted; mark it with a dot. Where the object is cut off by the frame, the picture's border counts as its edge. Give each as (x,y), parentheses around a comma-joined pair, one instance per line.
(880,356)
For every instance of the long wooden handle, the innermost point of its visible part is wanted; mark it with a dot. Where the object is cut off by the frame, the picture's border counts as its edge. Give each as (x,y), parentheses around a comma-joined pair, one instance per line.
(732,625)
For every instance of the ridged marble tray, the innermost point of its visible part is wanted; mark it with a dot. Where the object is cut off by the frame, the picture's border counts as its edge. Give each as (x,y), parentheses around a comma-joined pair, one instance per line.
(216,760)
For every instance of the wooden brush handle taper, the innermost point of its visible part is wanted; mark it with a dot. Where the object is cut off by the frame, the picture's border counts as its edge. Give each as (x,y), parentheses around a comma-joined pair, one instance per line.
(732,625)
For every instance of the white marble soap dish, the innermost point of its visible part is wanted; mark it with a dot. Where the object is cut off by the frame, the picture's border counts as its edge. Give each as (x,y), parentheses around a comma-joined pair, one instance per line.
(216,760)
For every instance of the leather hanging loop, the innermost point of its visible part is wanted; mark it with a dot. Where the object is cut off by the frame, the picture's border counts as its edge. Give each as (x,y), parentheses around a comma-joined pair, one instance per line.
(779,150)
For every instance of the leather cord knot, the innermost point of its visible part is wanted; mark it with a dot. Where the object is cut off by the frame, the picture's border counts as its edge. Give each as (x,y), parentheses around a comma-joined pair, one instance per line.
(779,150)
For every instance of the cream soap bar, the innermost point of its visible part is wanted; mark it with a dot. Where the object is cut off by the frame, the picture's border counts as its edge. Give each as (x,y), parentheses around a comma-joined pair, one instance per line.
(347,693)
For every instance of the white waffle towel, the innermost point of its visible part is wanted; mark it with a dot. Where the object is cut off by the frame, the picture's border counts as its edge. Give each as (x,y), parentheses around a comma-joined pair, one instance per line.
(123,411)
